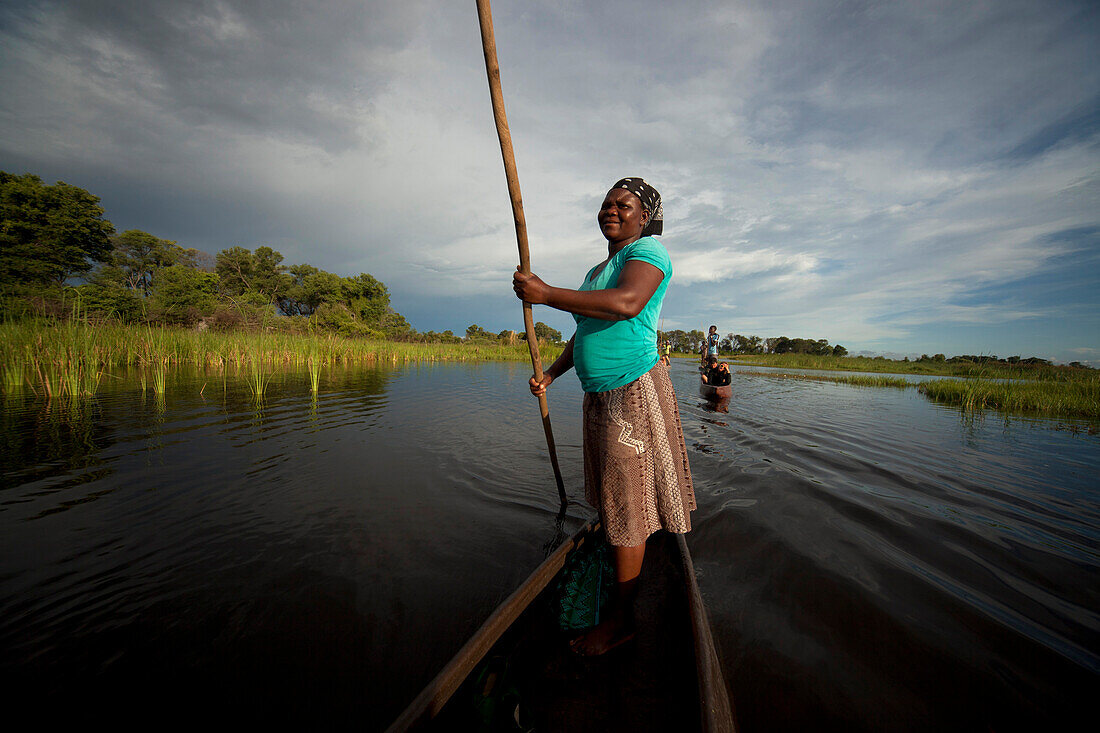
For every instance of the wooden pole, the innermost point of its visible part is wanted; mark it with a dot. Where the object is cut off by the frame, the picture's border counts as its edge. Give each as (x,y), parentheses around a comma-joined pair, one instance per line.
(488,44)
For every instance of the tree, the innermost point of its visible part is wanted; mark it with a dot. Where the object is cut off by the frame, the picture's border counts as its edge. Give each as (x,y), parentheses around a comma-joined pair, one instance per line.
(839,350)
(545,333)
(747,344)
(696,339)
(183,294)
(393,324)
(268,275)
(107,296)
(234,269)
(242,272)
(49,233)
(139,255)
(475,332)
(322,287)
(368,297)
(292,300)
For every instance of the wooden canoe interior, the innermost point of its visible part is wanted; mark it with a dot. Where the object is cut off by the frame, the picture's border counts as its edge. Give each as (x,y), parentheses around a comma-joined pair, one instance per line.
(712,392)
(667,679)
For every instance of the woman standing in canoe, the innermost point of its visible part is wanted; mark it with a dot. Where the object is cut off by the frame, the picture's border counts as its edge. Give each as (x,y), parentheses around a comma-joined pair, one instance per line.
(635,464)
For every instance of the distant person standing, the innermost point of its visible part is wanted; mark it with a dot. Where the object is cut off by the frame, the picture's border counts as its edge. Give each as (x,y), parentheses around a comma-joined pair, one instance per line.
(666,353)
(710,345)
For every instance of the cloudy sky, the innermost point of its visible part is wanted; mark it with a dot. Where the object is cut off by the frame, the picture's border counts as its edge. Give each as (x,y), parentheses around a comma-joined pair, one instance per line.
(898,177)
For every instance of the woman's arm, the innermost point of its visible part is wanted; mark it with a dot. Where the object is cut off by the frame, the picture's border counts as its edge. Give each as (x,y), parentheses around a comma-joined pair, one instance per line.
(560,366)
(637,283)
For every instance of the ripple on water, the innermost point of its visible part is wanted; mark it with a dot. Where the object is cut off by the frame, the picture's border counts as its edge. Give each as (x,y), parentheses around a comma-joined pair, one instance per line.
(867,557)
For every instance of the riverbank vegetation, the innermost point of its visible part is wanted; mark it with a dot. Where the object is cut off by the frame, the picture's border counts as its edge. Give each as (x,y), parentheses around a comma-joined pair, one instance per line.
(1078,397)
(77,300)
(984,367)
(856,380)
(70,358)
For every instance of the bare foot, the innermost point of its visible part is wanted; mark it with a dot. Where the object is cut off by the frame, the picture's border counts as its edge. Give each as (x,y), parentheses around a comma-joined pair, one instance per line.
(603,638)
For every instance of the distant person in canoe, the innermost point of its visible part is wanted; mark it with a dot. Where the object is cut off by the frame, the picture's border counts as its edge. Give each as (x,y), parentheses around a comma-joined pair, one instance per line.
(716,375)
(710,345)
(666,353)
(636,469)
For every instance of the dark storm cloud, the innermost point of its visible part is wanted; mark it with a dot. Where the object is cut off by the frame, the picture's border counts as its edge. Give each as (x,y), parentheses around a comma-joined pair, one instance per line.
(862,171)
(290,69)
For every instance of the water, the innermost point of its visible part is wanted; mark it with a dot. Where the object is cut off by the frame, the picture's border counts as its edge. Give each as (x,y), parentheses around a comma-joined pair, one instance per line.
(870,560)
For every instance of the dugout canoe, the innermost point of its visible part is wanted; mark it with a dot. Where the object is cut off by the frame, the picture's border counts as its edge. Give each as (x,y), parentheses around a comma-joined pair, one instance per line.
(711,392)
(668,678)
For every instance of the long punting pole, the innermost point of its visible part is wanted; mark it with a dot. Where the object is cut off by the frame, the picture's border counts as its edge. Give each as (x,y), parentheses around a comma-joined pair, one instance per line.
(489,45)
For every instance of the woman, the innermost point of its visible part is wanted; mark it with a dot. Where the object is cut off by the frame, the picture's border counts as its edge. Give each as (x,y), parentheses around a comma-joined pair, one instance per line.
(635,463)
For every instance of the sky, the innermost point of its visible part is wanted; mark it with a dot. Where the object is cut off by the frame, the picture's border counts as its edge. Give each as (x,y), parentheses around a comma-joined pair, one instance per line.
(899,177)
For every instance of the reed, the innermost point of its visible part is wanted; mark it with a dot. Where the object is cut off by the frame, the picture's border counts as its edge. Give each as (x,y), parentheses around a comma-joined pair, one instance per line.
(1079,398)
(856,381)
(987,370)
(258,377)
(13,375)
(313,363)
(160,378)
(31,345)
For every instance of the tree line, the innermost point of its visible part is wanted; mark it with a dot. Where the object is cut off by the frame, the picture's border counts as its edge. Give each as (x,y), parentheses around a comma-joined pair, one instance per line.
(52,235)
(734,343)
(59,255)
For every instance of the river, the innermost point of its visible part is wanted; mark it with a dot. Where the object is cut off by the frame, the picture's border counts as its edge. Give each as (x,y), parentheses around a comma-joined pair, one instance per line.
(871,561)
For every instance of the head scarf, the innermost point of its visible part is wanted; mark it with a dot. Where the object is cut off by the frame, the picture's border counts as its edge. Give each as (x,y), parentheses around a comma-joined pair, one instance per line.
(651,203)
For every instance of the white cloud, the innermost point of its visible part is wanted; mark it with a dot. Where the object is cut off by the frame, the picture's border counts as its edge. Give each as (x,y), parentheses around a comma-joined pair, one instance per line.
(830,172)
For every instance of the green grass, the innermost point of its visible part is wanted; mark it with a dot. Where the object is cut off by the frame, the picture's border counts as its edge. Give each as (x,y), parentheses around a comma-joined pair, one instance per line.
(988,370)
(68,358)
(856,381)
(313,363)
(1065,399)
(1077,398)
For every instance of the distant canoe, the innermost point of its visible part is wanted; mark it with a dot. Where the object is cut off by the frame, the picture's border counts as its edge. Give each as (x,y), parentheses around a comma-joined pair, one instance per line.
(716,393)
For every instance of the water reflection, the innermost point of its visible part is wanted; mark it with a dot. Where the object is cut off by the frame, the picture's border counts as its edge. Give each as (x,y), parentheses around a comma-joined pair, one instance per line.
(870,560)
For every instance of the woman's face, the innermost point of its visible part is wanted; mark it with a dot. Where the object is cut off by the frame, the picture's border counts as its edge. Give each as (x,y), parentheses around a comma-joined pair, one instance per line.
(621,217)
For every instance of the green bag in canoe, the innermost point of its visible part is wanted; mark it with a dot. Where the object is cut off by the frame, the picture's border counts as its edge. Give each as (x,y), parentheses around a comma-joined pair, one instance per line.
(585,585)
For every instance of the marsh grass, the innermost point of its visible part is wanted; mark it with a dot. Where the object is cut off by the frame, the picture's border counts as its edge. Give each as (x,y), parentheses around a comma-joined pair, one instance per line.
(1078,398)
(160,378)
(855,381)
(987,370)
(14,379)
(314,366)
(69,358)
(258,377)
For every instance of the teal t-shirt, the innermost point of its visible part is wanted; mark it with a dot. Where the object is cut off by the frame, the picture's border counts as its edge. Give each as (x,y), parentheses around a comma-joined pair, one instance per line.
(609,354)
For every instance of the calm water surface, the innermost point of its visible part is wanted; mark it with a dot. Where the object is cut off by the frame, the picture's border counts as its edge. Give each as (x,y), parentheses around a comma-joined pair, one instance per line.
(871,561)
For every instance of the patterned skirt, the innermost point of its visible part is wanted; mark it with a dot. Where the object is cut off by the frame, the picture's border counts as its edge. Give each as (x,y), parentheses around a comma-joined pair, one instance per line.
(636,469)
